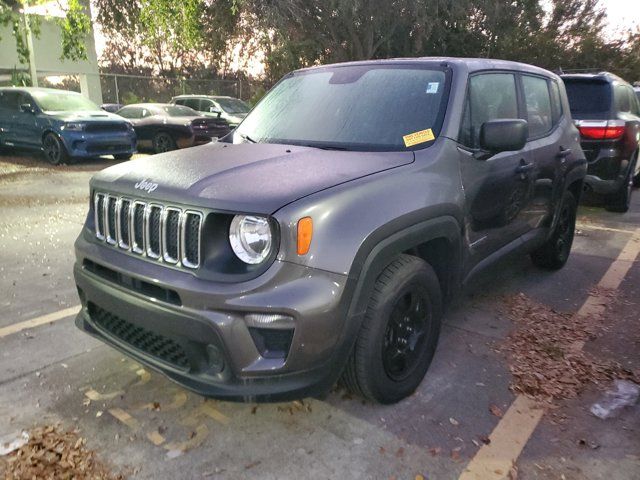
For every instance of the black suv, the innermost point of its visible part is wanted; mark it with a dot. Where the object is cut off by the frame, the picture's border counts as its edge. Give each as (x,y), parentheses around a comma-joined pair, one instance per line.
(607,113)
(324,235)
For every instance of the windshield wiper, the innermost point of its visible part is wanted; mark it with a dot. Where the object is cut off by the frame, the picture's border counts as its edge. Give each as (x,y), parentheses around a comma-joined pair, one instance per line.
(327,147)
(247,138)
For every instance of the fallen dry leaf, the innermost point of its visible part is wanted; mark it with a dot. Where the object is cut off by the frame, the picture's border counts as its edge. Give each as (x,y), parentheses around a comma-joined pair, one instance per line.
(52,453)
(495,410)
(545,355)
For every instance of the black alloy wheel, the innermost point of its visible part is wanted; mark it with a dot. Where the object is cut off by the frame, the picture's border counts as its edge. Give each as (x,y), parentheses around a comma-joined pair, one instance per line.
(405,334)
(163,142)
(53,149)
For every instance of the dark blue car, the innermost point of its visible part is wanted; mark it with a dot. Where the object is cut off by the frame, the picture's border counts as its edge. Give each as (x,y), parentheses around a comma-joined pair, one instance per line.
(64,125)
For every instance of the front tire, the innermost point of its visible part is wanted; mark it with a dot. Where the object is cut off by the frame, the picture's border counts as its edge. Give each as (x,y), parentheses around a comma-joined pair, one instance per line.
(54,150)
(163,142)
(399,334)
(555,252)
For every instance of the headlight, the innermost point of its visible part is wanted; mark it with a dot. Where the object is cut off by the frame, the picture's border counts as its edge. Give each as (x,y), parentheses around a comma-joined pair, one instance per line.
(74,127)
(250,238)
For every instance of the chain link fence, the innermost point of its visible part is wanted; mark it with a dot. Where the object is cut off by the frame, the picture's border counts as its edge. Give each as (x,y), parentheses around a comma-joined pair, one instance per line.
(126,89)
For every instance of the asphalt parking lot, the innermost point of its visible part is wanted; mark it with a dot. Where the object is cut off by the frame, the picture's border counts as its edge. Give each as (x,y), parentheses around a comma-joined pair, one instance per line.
(462,422)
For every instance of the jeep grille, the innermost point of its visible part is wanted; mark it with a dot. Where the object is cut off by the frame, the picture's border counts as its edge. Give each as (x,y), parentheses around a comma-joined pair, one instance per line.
(159,232)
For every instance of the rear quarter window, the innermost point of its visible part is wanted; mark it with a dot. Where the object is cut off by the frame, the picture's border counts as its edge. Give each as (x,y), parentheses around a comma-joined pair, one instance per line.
(588,97)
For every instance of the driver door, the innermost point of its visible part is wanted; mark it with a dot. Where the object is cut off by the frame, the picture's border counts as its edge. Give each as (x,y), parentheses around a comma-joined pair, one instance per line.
(497,189)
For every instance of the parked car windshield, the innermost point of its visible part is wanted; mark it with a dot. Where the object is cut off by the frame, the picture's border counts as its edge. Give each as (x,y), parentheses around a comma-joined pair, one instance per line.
(360,107)
(63,102)
(588,97)
(179,111)
(233,105)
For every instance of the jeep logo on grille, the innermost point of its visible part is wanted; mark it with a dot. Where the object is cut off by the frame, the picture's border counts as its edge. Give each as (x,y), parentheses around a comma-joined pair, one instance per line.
(146,185)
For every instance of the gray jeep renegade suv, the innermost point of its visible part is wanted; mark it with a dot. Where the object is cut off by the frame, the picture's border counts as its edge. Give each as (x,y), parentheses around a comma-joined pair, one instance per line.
(324,236)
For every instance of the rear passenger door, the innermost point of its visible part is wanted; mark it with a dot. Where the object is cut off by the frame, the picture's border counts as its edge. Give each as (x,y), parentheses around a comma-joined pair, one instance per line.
(499,188)
(549,147)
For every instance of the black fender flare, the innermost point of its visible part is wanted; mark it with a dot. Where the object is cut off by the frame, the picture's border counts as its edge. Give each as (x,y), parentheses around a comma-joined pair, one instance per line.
(380,248)
(375,253)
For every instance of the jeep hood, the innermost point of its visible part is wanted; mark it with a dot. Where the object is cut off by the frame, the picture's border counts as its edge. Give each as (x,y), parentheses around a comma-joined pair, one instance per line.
(250,178)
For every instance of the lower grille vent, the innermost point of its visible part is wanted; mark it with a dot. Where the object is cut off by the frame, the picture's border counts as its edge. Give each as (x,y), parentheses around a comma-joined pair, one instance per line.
(151,343)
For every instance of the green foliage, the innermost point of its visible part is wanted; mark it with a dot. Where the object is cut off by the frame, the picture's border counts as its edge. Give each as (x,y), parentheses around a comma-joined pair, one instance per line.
(182,38)
(20,79)
(75,27)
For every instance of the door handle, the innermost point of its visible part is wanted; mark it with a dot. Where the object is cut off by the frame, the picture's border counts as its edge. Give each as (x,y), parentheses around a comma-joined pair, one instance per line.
(524,167)
(564,152)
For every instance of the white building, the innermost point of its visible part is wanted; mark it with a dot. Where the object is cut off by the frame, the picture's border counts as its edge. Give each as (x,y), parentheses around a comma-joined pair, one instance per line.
(47,52)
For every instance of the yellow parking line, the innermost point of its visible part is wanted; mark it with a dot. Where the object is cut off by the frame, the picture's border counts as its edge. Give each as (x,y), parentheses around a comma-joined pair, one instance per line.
(36,322)
(125,418)
(494,460)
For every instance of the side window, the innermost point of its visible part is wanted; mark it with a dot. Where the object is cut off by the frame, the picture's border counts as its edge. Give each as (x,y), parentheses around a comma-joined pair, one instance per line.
(25,98)
(622,99)
(130,113)
(490,96)
(9,101)
(192,103)
(556,102)
(633,101)
(205,105)
(538,102)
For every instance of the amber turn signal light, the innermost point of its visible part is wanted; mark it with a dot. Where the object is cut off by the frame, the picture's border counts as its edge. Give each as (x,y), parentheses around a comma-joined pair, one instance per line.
(305,232)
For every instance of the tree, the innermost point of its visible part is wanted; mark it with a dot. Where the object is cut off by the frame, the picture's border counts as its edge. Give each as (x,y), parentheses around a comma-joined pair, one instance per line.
(74,27)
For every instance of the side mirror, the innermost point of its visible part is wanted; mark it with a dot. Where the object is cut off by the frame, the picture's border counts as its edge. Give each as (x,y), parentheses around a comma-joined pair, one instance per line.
(27,108)
(503,135)
(213,109)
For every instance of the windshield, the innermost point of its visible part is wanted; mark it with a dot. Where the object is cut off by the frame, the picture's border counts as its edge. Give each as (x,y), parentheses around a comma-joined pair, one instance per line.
(370,107)
(63,102)
(179,111)
(233,105)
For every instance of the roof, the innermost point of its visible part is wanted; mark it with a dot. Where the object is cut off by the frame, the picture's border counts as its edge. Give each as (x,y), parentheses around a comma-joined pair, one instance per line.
(39,89)
(157,105)
(193,95)
(468,64)
(602,76)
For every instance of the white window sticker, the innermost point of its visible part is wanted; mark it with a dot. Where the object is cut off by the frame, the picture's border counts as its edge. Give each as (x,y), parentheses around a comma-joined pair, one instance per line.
(432,87)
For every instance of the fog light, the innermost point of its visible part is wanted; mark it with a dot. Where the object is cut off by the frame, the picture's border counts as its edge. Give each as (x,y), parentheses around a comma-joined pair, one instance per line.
(272,342)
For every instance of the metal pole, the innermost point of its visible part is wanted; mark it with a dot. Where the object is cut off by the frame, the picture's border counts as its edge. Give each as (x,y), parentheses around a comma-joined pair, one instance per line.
(115,81)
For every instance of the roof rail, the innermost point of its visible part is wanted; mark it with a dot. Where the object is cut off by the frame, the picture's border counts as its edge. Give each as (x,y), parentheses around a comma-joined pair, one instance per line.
(595,71)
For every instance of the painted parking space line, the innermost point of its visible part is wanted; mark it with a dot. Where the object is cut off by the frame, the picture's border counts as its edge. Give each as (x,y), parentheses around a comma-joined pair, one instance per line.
(38,321)
(495,460)
(596,226)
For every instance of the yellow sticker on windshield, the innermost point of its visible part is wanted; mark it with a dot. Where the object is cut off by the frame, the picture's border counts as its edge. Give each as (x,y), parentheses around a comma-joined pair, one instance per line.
(418,137)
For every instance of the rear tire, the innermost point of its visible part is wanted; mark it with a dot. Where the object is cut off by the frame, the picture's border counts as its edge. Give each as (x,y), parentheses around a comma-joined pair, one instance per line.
(621,201)
(399,334)
(555,252)
(54,150)
(163,142)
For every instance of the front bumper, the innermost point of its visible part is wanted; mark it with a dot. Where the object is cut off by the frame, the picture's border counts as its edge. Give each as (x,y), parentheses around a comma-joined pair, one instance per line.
(89,144)
(203,342)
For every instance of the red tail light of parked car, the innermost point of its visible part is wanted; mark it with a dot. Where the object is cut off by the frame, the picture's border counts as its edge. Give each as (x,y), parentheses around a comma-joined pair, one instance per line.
(601,129)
